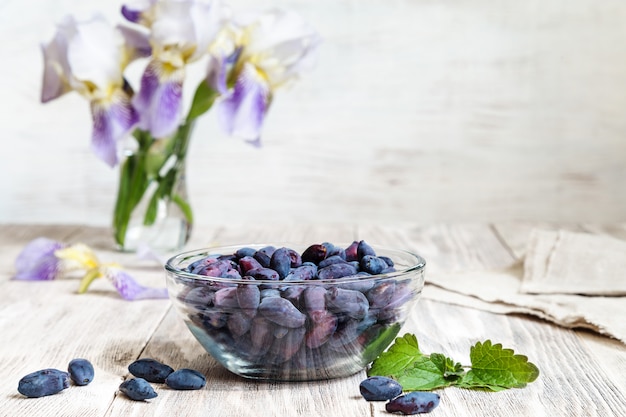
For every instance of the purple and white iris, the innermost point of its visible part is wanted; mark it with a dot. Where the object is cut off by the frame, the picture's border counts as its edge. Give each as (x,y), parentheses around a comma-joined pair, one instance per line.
(249,58)
(180,33)
(272,49)
(72,63)
(47,259)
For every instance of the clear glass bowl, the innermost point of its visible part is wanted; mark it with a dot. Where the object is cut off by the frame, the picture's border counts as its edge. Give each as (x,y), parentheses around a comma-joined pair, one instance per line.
(318,329)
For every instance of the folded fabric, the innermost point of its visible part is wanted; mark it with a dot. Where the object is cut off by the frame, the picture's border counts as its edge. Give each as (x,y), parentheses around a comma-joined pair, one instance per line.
(563,262)
(557,289)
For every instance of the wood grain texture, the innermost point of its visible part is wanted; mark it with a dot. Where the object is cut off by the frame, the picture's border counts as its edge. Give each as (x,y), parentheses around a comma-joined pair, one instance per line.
(46,324)
(465,110)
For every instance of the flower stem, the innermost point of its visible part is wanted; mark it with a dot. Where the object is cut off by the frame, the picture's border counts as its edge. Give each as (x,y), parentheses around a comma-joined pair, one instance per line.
(146,165)
(132,186)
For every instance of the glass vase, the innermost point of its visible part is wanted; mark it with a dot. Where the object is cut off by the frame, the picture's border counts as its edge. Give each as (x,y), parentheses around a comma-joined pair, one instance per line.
(152,207)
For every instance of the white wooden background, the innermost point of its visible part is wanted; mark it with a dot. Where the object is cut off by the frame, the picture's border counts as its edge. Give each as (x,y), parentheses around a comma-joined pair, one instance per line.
(418,110)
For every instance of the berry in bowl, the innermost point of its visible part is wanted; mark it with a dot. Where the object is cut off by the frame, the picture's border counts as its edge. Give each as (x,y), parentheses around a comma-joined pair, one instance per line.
(292,312)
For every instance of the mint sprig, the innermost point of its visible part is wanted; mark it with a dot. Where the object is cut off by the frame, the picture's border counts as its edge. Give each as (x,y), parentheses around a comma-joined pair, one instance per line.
(492,367)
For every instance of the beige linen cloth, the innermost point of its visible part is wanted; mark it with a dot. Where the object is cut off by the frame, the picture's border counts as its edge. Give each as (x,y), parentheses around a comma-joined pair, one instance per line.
(576,280)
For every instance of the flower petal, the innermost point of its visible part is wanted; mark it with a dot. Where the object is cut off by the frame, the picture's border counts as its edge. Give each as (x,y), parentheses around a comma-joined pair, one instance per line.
(242,113)
(219,68)
(78,256)
(95,54)
(159,101)
(186,28)
(139,11)
(56,69)
(281,44)
(137,43)
(112,121)
(37,260)
(130,289)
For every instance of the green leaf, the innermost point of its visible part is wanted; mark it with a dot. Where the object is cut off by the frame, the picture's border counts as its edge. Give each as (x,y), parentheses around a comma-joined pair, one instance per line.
(380,342)
(400,356)
(202,101)
(449,369)
(163,192)
(495,368)
(425,375)
(470,381)
(184,206)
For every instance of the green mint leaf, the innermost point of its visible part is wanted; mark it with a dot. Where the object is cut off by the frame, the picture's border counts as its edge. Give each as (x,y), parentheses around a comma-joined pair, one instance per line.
(400,356)
(495,368)
(380,342)
(424,375)
(470,381)
(449,369)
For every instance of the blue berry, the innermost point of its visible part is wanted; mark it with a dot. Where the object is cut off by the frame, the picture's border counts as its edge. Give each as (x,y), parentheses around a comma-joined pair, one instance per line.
(338,270)
(44,382)
(248,297)
(372,264)
(314,253)
(347,302)
(81,371)
(304,272)
(267,274)
(352,252)
(380,388)
(137,389)
(281,312)
(243,252)
(150,369)
(248,263)
(334,259)
(333,250)
(364,249)
(185,379)
(415,402)
(281,262)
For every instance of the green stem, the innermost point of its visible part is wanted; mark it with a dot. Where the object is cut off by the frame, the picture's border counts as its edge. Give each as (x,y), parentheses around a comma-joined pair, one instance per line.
(133,184)
(86,281)
(136,176)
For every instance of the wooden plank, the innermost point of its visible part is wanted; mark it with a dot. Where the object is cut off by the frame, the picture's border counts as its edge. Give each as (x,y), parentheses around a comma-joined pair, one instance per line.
(46,324)
(445,247)
(573,377)
(572,381)
(229,395)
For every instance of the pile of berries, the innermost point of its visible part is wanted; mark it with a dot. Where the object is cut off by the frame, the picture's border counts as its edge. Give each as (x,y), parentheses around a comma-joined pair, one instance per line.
(291,315)
(81,372)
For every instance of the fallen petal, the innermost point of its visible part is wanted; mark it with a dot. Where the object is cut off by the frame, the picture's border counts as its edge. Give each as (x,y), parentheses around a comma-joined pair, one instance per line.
(130,289)
(37,261)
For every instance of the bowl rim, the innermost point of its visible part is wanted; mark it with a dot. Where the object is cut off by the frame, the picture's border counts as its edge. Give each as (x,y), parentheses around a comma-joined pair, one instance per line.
(420,265)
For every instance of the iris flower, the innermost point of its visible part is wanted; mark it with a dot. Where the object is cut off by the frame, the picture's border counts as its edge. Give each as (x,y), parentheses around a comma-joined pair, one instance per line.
(271,49)
(180,33)
(47,259)
(89,57)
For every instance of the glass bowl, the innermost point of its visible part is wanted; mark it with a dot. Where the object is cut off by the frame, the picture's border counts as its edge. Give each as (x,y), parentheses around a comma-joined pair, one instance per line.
(288,328)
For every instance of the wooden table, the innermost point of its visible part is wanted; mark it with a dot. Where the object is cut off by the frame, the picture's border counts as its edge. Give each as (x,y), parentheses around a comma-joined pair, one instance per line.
(46,324)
